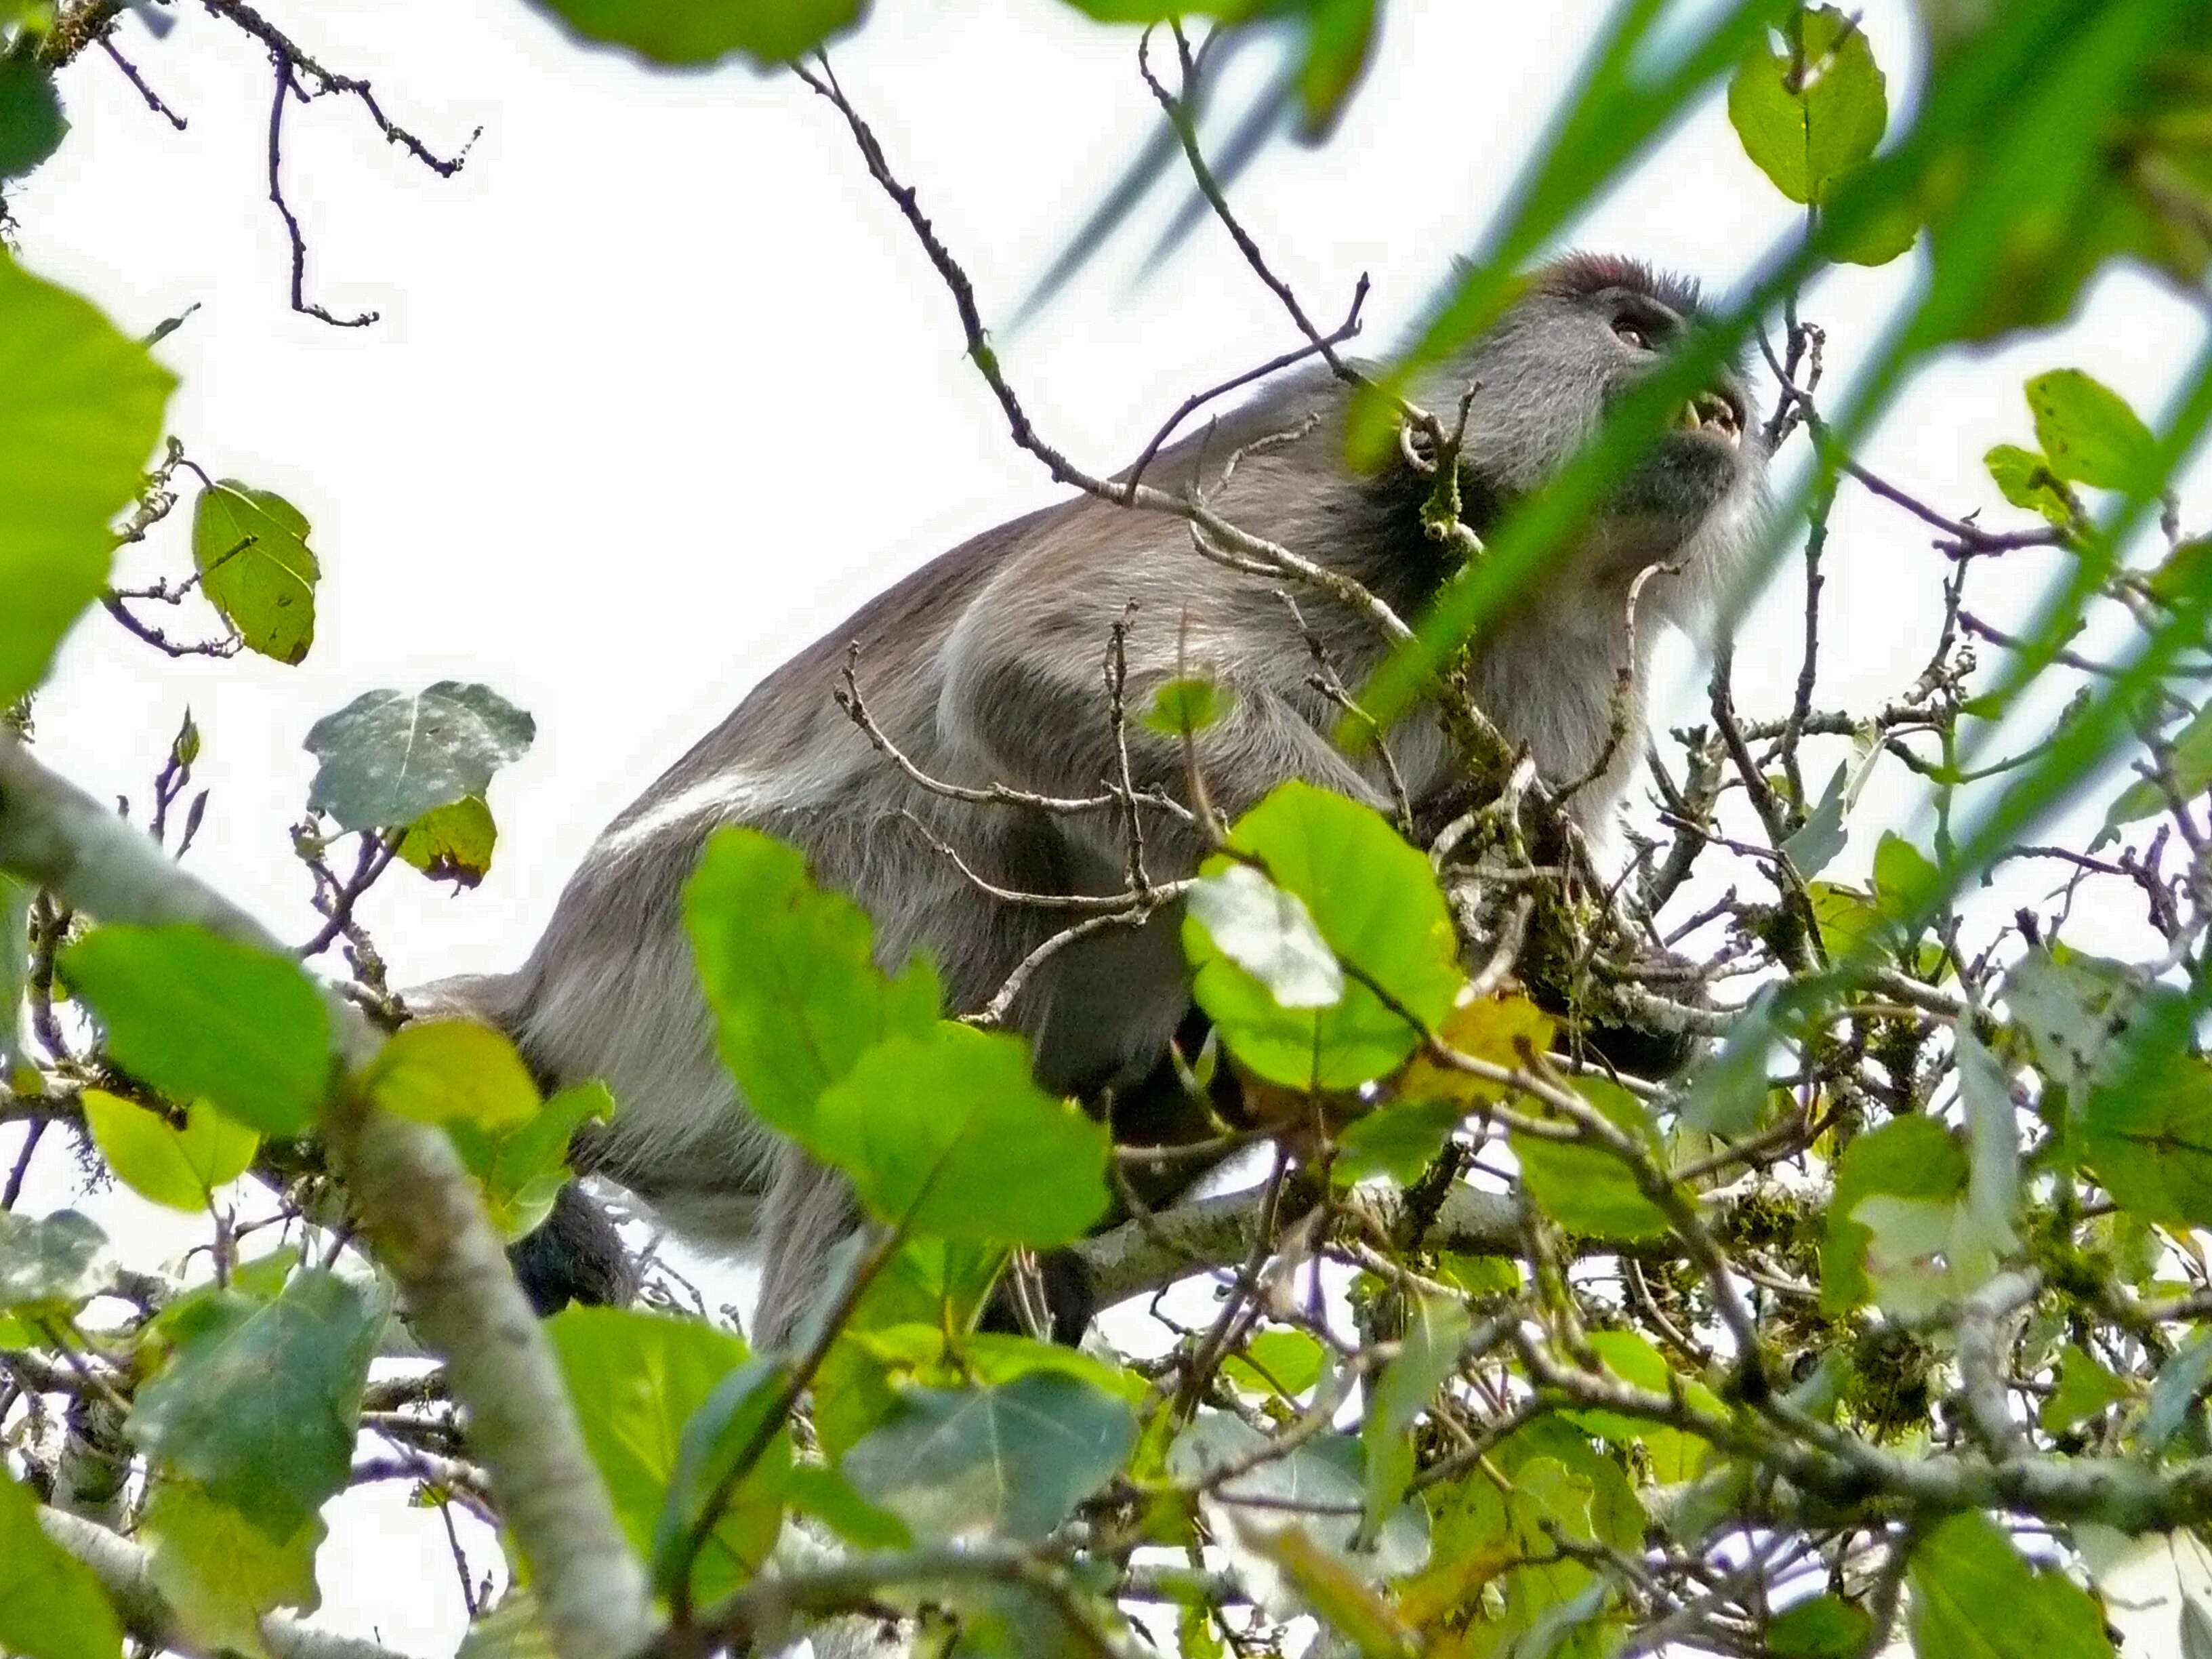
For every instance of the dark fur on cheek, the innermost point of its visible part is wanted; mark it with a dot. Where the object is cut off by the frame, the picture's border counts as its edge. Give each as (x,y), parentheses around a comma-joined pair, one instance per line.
(1685,476)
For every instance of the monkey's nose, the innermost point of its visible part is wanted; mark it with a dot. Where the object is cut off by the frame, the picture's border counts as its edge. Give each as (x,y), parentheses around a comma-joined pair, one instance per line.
(1709,411)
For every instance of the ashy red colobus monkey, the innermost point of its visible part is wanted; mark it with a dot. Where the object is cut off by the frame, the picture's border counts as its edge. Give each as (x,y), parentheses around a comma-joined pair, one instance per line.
(984,666)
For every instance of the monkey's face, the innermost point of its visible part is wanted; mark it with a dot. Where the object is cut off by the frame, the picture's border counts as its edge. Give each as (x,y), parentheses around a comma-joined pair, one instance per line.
(1578,342)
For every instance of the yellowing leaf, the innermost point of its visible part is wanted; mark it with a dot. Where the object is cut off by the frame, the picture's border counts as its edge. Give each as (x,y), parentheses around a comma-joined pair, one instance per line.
(181,1168)
(250,547)
(449,1070)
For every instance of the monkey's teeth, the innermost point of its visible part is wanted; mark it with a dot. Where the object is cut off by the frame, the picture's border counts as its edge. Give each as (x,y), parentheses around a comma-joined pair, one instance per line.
(1708,412)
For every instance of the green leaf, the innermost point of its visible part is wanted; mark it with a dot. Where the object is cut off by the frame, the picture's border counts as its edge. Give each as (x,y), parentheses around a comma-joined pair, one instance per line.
(737,1419)
(1555,1482)
(769,32)
(32,125)
(1993,1193)
(832,1499)
(934,1284)
(52,1264)
(520,1173)
(1848,917)
(81,407)
(1270,934)
(1340,44)
(1585,1187)
(1908,1157)
(1674,1454)
(181,1168)
(2025,478)
(199,1017)
(2089,433)
(947,1134)
(14,966)
(2173,1393)
(51,1606)
(1822,836)
(1375,903)
(1823,1626)
(221,1572)
(1922,1254)
(1814,109)
(2149,1144)
(451,1071)
(1276,1362)
(2192,765)
(1882,232)
(260,1404)
(1012,1461)
(1335,1595)
(2085,1389)
(1902,873)
(513,1629)
(388,758)
(1188,705)
(1319,1485)
(250,547)
(789,971)
(1428,1356)
(1974,1597)
(2073,1010)
(453,842)
(637,1378)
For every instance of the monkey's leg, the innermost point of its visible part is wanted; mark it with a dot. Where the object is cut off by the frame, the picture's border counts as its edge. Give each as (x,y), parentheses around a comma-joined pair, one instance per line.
(808,1210)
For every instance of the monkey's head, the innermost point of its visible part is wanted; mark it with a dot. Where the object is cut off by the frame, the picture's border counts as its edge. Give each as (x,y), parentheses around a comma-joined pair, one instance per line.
(1584,331)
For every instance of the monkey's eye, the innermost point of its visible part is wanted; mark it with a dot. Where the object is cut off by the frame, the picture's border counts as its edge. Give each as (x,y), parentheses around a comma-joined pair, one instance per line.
(1634,332)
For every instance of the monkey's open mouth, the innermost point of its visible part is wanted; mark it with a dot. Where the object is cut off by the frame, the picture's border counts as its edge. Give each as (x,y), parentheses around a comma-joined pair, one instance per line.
(1710,412)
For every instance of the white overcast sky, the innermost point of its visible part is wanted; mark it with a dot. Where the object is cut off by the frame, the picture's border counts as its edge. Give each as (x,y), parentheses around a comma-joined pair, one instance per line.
(663,388)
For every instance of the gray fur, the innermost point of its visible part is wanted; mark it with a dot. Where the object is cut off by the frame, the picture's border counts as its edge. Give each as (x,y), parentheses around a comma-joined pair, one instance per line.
(985,665)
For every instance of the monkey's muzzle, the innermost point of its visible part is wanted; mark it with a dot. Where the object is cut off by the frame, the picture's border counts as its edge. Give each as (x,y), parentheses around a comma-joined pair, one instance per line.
(1710,412)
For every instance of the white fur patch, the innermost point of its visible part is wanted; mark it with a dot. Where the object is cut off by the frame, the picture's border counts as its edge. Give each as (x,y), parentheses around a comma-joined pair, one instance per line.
(717,799)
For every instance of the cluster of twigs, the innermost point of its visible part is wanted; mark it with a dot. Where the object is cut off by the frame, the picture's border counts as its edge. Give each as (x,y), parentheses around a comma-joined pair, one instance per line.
(299,77)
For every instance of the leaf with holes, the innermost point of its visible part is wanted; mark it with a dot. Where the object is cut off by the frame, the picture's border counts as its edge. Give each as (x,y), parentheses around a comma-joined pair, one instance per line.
(1270,934)
(2026,480)
(250,547)
(388,758)
(2088,432)
(1906,1157)
(453,843)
